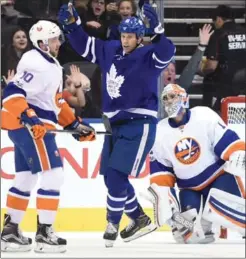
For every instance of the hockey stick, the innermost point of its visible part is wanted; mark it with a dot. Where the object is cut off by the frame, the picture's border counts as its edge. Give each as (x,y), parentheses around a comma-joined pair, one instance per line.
(105,120)
(106,123)
(76,132)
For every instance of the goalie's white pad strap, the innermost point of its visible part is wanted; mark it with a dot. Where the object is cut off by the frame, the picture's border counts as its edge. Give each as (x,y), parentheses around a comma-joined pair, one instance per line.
(164,203)
(226,210)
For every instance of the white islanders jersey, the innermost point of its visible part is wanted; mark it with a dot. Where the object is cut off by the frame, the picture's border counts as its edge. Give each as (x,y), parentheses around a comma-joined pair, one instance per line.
(39,79)
(192,155)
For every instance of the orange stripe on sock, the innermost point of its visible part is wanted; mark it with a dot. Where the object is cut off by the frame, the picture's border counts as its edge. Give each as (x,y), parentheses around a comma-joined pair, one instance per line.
(17,203)
(42,154)
(47,204)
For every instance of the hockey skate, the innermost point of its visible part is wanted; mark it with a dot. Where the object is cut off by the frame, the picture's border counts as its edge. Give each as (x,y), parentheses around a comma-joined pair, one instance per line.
(138,228)
(111,234)
(12,239)
(47,241)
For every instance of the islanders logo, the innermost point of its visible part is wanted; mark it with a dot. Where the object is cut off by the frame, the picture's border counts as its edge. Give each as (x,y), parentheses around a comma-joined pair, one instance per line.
(187,151)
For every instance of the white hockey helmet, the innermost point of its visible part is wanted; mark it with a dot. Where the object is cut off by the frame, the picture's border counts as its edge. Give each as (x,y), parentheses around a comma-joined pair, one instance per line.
(43,31)
(174,99)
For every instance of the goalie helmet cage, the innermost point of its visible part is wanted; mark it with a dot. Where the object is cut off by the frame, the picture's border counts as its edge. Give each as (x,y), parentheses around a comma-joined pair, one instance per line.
(233,110)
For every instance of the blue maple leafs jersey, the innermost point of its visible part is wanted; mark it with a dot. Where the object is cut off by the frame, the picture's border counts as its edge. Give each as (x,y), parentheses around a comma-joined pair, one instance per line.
(129,81)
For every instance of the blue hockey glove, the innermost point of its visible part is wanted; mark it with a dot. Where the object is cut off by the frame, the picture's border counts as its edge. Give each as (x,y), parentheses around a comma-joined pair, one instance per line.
(85,131)
(68,17)
(149,12)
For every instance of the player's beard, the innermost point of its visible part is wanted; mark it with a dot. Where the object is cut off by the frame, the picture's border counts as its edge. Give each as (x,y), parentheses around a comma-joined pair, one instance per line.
(54,54)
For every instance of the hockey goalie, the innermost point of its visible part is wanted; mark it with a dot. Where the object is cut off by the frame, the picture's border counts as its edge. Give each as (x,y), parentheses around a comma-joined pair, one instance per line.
(195,150)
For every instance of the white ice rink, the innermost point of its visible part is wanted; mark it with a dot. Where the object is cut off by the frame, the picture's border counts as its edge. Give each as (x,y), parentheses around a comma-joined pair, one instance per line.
(155,245)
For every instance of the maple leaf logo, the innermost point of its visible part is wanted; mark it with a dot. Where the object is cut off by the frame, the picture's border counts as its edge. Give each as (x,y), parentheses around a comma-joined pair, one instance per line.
(114,83)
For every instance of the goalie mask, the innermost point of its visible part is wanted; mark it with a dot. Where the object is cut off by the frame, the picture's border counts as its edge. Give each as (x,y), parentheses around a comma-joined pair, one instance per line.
(174,99)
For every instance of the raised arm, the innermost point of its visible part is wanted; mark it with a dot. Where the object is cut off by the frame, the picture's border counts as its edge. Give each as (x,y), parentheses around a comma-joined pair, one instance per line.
(86,46)
(163,49)
(192,67)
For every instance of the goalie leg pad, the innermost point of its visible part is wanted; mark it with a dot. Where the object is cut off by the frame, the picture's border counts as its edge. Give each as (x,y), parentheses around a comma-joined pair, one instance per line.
(164,201)
(228,210)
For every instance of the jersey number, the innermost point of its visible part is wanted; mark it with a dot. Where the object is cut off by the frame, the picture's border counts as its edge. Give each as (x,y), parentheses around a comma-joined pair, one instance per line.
(27,77)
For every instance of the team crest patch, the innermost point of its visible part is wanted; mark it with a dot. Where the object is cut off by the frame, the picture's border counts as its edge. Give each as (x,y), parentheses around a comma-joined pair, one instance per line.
(114,82)
(187,151)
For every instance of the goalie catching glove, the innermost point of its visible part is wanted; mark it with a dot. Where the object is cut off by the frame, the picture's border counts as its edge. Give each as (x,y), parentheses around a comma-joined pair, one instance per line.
(236,164)
(82,130)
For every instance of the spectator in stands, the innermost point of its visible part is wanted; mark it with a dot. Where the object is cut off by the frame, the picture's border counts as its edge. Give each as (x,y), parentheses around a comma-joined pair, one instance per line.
(12,52)
(226,55)
(95,20)
(75,85)
(125,8)
(187,75)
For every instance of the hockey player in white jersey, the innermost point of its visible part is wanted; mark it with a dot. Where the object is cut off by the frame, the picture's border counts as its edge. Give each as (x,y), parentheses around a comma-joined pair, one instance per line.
(32,105)
(192,149)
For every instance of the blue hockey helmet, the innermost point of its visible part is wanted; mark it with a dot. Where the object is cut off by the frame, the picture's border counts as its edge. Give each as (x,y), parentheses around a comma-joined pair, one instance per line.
(132,25)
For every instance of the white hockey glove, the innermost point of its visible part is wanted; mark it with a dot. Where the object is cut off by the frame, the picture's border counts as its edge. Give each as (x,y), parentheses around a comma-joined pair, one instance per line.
(236,164)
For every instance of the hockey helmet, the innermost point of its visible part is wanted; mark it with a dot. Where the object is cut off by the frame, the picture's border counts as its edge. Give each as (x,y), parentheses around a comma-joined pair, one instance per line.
(43,31)
(132,25)
(174,99)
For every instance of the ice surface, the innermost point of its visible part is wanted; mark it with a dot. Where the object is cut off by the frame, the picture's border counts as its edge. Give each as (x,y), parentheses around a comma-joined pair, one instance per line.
(155,245)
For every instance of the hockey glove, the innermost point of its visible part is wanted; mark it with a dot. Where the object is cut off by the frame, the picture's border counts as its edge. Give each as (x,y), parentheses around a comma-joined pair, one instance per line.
(236,163)
(33,124)
(68,17)
(84,131)
(155,26)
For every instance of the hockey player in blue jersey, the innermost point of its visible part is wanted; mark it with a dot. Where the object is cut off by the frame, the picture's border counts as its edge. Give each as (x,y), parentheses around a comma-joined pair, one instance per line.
(129,87)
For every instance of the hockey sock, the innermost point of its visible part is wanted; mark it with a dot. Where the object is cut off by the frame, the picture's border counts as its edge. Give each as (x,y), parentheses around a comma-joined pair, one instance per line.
(117,183)
(17,202)
(47,205)
(115,207)
(132,206)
